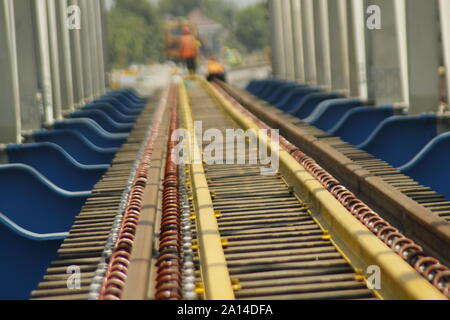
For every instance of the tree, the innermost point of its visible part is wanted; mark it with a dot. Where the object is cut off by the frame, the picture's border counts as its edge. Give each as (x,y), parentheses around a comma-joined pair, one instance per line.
(177,8)
(252,27)
(223,12)
(134,33)
(219,10)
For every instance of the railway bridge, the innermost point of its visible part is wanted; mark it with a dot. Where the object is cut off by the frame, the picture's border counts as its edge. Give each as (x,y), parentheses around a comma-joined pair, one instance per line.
(327,180)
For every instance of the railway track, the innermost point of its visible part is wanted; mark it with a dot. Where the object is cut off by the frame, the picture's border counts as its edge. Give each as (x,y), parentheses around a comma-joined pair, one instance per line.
(223,230)
(416,210)
(92,240)
(274,244)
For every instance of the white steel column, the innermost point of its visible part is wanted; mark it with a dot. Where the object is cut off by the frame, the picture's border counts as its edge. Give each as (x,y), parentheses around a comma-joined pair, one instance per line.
(76,56)
(278,49)
(288,39)
(420,50)
(297,29)
(339,53)
(86,50)
(44,60)
(27,58)
(359,28)
(400,19)
(351,48)
(92,25)
(99,39)
(322,36)
(384,69)
(54,59)
(309,46)
(10,126)
(65,56)
(444,9)
(104,35)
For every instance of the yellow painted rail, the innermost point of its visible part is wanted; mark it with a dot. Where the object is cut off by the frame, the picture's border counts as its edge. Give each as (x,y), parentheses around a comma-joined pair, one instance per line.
(398,279)
(213,266)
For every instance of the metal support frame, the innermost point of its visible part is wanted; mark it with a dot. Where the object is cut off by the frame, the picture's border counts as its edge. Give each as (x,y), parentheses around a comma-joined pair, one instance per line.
(339,46)
(288,40)
(65,55)
(309,47)
(420,53)
(54,59)
(77,61)
(44,60)
(444,9)
(278,49)
(322,43)
(10,124)
(31,117)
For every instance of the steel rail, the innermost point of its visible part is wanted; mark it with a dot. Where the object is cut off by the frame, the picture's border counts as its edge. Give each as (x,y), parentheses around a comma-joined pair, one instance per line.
(353,233)
(214,272)
(116,272)
(394,199)
(90,242)
(169,262)
(273,247)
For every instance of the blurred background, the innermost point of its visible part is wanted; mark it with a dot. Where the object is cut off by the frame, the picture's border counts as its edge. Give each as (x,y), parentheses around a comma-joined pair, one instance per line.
(143,35)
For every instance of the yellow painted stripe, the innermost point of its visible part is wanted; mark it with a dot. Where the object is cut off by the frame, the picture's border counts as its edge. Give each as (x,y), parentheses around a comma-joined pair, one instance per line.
(213,266)
(399,279)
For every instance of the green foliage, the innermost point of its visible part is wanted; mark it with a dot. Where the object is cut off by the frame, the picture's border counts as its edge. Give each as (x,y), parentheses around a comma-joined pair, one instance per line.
(177,8)
(134,33)
(221,11)
(252,27)
(135,27)
(243,33)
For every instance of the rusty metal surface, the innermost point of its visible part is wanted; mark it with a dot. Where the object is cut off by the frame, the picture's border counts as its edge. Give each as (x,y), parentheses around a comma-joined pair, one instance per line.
(140,278)
(117,270)
(169,261)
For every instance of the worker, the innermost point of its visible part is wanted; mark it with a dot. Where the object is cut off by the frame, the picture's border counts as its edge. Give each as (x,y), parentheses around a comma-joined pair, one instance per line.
(188,50)
(216,70)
